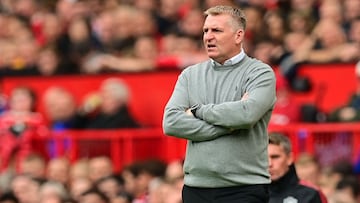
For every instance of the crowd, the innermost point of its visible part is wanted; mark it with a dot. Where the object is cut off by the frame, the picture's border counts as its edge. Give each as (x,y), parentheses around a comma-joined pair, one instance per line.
(20,122)
(91,180)
(97,36)
(154,181)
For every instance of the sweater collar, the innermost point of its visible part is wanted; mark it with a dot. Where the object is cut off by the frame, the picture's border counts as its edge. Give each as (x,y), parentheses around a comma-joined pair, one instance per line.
(234,60)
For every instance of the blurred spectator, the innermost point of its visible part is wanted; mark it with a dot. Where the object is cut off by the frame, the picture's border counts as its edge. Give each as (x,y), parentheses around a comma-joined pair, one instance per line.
(60,111)
(33,165)
(331,175)
(286,110)
(351,11)
(78,186)
(100,167)
(122,197)
(347,190)
(174,172)
(49,62)
(143,58)
(267,51)
(288,66)
(168,15)
(108,109)
(299,22)
(145,24)
(350,112)
(47,28)
(81,31)
(60,108)
(139,175)
(308,7)
(211,3)
(308,168)
(129,173)
(123,32)
(332,10)
(76,44)
(111,185)
(93,195)
(354,31)
(326,44)
(275,26)
(69,10)
(8,197)
(26,189)
(191,24)
(19,125)
(79,169)
(26,8)
(58,170)
(163,191)
(176,52)
(150,5)
(20,50)
(53,192)
(174,178)
(254,26)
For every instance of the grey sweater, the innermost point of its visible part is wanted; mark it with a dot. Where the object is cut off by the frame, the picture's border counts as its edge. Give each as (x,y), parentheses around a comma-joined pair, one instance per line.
(227,140)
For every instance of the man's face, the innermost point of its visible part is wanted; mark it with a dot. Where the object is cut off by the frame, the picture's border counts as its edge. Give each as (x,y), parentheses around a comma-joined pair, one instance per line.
(220,38)
(279,161)
(91,198)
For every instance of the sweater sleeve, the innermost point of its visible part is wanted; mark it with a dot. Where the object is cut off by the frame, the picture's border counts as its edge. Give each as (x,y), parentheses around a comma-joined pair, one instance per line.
(244,113)
(177,123)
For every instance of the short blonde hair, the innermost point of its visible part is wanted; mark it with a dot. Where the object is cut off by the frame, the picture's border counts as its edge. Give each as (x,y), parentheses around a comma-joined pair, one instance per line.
(237,15)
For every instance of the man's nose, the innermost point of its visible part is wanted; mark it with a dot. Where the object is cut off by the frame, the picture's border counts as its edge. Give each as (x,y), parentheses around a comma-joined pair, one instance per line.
(208,36)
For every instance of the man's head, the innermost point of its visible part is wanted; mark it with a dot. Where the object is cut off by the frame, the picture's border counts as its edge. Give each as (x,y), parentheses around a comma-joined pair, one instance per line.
(280,155)
(114,94)
(99,167)
(224,31)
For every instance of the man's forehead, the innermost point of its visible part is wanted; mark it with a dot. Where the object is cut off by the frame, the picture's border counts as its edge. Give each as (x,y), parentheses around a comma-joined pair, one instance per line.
(221,20)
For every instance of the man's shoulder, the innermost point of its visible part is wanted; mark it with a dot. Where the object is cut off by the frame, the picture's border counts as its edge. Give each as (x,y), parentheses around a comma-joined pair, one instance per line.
(198,66)
(254,62)
(309,185)
(311,188)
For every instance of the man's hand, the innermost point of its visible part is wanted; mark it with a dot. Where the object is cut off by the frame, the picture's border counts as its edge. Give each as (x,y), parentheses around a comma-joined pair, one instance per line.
(188,112)
(245,97)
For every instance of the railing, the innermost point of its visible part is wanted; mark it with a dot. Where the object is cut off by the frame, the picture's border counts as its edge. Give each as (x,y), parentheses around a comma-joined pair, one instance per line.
(329,142)
(122,146)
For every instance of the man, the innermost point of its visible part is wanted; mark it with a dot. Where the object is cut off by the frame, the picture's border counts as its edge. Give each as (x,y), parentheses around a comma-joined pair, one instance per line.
(285,186)
(222,107)
(347,190)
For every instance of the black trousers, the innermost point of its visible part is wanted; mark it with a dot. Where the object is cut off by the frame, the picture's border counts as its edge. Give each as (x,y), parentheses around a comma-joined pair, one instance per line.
(240,194)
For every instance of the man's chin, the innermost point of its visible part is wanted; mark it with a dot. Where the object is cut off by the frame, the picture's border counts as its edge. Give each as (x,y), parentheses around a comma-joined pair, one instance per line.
(212,54)
(273,178)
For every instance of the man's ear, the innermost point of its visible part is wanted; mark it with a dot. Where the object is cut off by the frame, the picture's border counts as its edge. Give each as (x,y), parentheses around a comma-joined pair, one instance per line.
(239,36)
(290,159)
